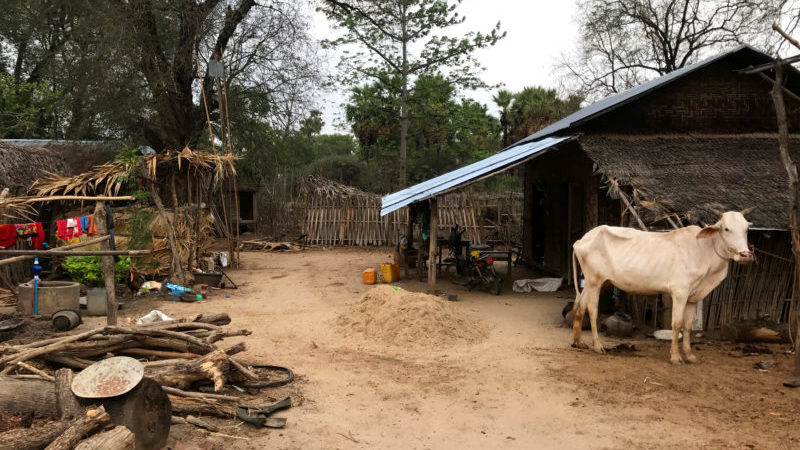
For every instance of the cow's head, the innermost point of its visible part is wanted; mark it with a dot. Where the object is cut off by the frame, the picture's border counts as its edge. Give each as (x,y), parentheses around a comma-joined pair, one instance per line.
(730,233)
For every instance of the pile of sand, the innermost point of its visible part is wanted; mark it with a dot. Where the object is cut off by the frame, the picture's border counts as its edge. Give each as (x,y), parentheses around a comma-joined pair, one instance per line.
(394,316)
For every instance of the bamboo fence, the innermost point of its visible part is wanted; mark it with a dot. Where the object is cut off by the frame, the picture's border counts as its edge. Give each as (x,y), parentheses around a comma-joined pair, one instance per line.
(762,290)
(337,215)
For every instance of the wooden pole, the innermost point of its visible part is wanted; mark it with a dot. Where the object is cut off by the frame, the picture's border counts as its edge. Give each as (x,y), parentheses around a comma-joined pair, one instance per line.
(45,253)
(794,207)
(432,236)
(60,252)
(107,261)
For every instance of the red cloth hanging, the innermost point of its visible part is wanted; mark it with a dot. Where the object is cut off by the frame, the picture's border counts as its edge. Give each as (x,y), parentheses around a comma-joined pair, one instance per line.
(8,235)
(38,240)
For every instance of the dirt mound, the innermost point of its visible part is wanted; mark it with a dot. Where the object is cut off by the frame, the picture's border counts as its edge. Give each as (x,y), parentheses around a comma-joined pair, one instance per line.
(398,317)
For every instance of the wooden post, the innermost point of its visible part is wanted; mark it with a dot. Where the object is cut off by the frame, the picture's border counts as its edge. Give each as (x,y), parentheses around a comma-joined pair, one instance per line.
(590,192)
(432,236)
(108,265)
(794,196)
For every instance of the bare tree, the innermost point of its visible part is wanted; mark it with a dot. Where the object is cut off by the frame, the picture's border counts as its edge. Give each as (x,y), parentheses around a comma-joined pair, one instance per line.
(794,192)
(625,42)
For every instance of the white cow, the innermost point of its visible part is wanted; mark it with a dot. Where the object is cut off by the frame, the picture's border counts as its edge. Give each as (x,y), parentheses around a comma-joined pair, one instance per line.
(687,264)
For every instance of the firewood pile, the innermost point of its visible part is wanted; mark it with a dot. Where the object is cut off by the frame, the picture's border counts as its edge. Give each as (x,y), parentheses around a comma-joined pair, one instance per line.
(181,357)
(256,245)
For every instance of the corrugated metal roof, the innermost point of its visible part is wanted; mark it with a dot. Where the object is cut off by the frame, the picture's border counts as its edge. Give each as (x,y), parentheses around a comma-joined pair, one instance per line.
(616,100)
(56,142)
(467,174)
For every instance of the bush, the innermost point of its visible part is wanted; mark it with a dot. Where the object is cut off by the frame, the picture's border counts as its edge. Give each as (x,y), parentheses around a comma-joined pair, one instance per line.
(89,271)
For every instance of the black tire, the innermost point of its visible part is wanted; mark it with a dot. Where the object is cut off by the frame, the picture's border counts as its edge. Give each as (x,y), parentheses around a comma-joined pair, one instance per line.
(493,282)
(495,286)
(459,277)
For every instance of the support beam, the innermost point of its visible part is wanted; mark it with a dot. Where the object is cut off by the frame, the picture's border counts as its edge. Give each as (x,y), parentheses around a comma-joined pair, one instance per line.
(61,252)
(45,253)
(432,236)
(107,262)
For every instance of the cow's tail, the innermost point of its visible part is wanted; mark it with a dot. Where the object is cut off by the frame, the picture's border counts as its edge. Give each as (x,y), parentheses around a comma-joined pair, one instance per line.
(575,276)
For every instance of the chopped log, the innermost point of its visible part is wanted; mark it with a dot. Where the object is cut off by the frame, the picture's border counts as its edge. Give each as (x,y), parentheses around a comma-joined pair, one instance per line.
(66,403)
(93,419)
(30,377)
(24,439)
(36,371)
(215,319)
(163,333)
(158,353)
(200,395)
(117,438)
(12,360)
(244,370)
(145,410)
(166,362)
(209,367)
(28,396)
(69,361)
(215,336)
(192,420)
(238,348)
(170,344)
(185,406)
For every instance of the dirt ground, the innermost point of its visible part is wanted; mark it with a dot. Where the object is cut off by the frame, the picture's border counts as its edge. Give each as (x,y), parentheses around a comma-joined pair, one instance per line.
(521,386)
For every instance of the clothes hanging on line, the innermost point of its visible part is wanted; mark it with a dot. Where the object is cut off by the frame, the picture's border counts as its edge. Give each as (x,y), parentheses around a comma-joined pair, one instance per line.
(33,233)
(68,229)
(91,228)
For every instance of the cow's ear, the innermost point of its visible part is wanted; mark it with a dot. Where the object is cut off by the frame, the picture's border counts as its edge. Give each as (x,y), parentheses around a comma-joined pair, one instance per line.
(708,232)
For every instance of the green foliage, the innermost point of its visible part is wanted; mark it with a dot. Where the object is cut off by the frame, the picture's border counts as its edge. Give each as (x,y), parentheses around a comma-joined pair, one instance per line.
(402,44)
(88,270)
(531,109)
(444,132)
(138,224)
(26,108)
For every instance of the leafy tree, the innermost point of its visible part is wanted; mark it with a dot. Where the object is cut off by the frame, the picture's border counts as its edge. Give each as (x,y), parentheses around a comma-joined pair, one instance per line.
(444,132)
(129,69)
(24,108)
(503,99)
(625,42)
(401,40)
(534,108)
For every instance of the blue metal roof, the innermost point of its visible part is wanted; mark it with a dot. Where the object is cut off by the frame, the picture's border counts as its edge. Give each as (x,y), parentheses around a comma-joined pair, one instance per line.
(467,174)
(616,100)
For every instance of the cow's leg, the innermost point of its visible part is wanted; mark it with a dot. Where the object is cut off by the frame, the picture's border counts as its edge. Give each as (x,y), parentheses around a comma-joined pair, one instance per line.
(578,310)
(678,306)
(688,321)
(592,299)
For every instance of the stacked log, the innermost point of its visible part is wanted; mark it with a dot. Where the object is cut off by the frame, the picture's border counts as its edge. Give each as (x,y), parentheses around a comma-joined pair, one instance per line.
(35,380)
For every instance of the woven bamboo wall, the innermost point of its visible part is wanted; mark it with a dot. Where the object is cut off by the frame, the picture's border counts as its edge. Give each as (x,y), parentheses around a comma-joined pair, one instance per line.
(355,220)
(749,292)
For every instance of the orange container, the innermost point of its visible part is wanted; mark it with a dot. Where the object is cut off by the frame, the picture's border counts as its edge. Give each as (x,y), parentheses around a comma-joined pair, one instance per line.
(390,272)
(369,276)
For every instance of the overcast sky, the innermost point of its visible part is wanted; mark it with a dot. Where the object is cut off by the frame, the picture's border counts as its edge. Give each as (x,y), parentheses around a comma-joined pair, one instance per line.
(539,31)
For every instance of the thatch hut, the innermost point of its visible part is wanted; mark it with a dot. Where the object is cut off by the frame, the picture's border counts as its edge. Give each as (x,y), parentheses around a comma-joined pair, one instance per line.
(21,166)
(188,181)
(659,156)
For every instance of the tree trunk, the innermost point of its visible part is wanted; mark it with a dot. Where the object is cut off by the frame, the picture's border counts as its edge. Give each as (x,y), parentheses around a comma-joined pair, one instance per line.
(66,403)
(404,102)
(93,419)
(28,396)
(177,269)
(794,208)
(117,438)
(210,367)
(108,265)
(25,439)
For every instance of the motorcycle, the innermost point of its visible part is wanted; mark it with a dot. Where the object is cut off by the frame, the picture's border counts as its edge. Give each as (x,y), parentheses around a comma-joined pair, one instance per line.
(472,270)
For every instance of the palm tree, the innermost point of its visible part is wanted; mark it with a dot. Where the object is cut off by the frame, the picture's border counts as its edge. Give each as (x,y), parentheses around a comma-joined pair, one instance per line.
(503,99)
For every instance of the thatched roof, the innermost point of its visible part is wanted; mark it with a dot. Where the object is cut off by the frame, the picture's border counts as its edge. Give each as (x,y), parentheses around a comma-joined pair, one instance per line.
(318,186)
(691,175)
(20,167)
(108,178)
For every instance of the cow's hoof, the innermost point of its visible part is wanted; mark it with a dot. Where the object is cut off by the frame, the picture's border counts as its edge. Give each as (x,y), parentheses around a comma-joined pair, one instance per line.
(675,361)
(579,344)
(599,349)
(691,359)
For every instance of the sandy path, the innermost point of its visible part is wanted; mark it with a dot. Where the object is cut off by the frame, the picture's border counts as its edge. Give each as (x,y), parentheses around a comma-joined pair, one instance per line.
(522,387)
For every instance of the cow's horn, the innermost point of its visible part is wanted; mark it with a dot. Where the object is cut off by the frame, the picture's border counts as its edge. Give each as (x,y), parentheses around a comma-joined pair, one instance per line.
(717,212)
(747,211)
